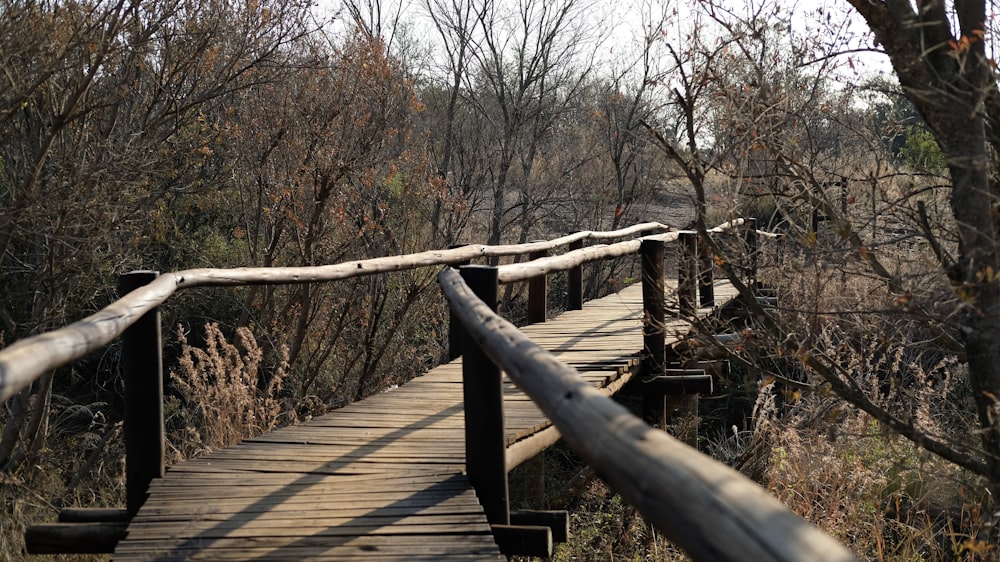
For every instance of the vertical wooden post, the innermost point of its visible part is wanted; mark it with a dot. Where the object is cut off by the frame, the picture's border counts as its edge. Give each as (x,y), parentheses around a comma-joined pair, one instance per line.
(687,273)
(706,276)
(574,282)
(142,368)
(653,306)
(454,330)
(537,289)
(753,252)
(482,389)
(681,412)
(654,408)
(535,480)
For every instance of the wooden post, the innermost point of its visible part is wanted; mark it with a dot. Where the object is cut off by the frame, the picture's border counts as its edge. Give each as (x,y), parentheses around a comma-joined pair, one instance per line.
(537,289)
(653,306)
(558,521)
(654,408)
(523,540)
(142,367)
(706,276)
(74,538)
(687,273)
(482,390)
(753,252)
(454,331)
(534,482)
(574,282)
(680,413)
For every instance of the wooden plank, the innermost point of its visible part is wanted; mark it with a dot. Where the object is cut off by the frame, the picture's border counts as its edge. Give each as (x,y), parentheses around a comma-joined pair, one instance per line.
(394,481)
(345,507)
(323,526)
(264,504)
(376,480)
(329,487)
(290,548)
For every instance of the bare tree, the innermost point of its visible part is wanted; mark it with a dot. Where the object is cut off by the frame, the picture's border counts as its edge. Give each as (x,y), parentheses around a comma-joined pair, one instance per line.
(331,170)
(938,53)
(103,137)
(780,127)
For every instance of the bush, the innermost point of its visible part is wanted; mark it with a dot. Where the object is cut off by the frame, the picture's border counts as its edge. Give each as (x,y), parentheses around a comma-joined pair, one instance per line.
(226,393)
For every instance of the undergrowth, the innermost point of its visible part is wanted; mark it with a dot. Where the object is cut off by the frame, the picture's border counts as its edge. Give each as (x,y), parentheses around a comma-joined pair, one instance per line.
(224,393)
(219,394)
(881,496)
(877,492)
(884,497)
(81,464)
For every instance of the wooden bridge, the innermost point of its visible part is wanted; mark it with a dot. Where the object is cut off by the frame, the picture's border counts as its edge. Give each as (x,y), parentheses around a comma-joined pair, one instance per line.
(420,472)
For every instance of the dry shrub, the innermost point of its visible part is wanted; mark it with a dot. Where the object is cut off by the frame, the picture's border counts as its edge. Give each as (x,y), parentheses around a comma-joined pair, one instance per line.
(876,492)
(880,494)
(226,393)
(80,465)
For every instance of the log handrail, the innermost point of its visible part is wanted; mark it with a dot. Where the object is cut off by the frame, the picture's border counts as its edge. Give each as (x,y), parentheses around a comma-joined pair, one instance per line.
(524,271)
(706,508)
(27,359)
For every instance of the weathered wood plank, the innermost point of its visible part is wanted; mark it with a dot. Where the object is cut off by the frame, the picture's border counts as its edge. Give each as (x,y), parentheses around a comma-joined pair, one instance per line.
(379,478)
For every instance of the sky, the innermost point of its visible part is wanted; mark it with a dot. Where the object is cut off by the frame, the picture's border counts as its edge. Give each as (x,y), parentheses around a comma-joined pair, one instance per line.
(830,21)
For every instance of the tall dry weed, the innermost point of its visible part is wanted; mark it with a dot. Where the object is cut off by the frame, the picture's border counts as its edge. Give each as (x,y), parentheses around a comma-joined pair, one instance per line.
(226,393)
(876,492)
(882,495)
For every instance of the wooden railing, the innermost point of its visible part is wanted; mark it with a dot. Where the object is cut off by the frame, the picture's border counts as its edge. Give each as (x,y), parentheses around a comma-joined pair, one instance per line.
(135,318)
(698,503)
(709,510)
(25,360)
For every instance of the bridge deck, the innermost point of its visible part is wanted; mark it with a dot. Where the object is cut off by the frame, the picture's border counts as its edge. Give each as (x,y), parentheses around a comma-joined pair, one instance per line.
(379,479)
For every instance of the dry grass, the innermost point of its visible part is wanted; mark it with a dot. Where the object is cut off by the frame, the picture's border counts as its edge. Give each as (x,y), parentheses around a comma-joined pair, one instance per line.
(81,465)
(877,492)
(880,494)
(226,393)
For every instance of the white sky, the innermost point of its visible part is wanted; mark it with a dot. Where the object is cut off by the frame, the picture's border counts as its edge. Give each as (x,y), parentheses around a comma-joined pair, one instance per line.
(622,22)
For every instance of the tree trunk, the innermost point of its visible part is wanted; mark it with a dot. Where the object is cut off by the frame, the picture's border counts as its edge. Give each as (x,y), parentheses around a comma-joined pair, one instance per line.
(972,204)
(950,82)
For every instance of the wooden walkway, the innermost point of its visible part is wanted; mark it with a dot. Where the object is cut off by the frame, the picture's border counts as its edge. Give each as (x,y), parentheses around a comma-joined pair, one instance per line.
(379,479)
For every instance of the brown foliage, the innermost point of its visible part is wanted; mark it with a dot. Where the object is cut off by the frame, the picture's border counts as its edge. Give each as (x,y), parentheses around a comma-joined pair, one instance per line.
(226,394)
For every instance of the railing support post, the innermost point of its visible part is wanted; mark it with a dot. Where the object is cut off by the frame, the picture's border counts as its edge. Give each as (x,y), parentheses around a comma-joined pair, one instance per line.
(687,273)
(753,252)
(537,293)
(482,384)
(454,330)
(706,275)
(142,367)
(574,282)
(654,307)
